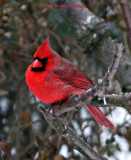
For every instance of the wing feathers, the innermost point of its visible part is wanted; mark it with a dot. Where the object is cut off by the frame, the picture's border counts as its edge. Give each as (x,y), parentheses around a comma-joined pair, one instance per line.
(72,75)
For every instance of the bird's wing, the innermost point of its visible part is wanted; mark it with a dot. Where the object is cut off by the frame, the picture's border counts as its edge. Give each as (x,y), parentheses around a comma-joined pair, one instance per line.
(71,75)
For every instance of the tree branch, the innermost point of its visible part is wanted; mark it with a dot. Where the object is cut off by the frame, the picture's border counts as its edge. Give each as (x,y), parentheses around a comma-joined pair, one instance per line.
(71,137)
(112,100)
(119,99)
(126,14)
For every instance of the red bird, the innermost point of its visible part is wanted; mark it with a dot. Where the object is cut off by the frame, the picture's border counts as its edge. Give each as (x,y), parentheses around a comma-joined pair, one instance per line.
(52,78)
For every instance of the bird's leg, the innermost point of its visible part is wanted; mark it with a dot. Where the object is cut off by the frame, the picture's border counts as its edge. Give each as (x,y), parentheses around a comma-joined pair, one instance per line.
(55,107)
(51,107)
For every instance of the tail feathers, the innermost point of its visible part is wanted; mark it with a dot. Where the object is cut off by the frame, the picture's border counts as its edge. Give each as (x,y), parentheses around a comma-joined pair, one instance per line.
(100,117)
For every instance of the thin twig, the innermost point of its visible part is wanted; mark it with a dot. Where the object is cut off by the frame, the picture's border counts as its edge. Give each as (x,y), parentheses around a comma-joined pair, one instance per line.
(126,14)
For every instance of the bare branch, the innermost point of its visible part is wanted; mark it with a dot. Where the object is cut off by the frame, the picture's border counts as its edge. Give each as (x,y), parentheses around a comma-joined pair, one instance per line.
(112,100)
(71,137)
(119,99)
(114,65)
(126,14)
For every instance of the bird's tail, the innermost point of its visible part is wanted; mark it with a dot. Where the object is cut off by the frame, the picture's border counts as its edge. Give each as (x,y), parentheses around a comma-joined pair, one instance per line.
(100,117)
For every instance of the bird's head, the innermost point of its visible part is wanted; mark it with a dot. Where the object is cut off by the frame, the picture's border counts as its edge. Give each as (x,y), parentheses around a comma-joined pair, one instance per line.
(41,56)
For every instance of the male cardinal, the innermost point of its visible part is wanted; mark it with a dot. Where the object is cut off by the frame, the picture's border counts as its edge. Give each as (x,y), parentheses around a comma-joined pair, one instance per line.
(52,78)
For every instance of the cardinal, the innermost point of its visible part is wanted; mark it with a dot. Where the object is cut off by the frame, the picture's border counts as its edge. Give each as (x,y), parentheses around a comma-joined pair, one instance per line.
(52,78)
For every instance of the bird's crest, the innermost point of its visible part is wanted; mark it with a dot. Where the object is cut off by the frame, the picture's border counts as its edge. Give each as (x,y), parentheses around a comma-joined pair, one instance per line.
(44,50)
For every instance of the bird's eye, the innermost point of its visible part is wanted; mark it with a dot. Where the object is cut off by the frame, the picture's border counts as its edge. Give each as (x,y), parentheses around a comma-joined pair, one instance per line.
(39,64)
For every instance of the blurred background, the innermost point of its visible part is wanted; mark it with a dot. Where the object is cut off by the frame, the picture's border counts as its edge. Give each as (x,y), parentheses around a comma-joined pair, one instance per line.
(24,133)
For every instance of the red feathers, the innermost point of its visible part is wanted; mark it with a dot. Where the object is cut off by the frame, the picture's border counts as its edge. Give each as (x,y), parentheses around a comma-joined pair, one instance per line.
(44,50)
(52,78)
(100,117)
